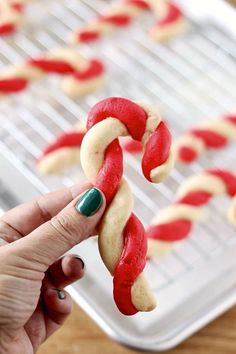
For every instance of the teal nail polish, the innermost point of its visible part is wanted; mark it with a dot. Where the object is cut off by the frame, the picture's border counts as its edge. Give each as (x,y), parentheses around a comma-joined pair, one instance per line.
(90,202)
(60,294)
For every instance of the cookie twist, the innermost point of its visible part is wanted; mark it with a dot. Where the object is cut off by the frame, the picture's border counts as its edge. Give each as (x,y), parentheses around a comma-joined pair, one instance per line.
(214,134)
(122,239)
(11,15)
(63,152)
(119,15)
(82,75)
(170,21)
(175,222)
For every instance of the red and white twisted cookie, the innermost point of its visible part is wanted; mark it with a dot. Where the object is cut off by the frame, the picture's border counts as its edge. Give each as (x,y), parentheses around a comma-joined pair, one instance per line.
(82,75)
(122,239)
(119,15)
(11,14)
(214,134)
(170,21)
(175,222)
(63,152)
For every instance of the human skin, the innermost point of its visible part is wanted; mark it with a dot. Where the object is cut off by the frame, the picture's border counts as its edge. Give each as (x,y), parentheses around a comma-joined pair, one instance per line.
(33,237)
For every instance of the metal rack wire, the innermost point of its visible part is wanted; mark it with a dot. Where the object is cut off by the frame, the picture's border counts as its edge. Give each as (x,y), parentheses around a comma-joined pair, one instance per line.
(190,79)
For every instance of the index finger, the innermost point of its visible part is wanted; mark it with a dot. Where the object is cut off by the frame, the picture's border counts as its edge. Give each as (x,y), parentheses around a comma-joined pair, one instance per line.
(24,218)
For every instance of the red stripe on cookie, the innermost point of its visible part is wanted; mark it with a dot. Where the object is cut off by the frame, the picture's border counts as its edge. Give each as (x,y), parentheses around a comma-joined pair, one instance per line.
(52,65)
(227,177)
(210,138)
(157,149)
(129,113)
(95,69)
(130,265)
(110,174)
(12,85)
(171,231)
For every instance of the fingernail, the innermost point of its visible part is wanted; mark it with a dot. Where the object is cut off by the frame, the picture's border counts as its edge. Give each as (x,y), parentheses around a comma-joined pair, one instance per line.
(81,261)
(90,202)
(60,294)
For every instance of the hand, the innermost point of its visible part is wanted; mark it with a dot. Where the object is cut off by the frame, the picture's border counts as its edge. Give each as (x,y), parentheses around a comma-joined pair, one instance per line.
(33,236)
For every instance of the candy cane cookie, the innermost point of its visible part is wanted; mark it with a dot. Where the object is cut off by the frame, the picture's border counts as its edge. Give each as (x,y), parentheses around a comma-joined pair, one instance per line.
(63,152)
(175,222)
(82,75)
(11,16)
(119,15)
(122,239)
(215,134)
(170,21)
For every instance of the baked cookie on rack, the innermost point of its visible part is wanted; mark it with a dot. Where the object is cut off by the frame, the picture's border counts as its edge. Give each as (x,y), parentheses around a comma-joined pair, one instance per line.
(119,15)
(122,239)
(213,134)
(170,23)
(170,20)
(63,152)
(175,222)
(11,16)
(82,75)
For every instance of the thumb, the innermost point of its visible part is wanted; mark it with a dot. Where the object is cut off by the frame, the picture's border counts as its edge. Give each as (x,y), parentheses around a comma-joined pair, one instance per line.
(72,225)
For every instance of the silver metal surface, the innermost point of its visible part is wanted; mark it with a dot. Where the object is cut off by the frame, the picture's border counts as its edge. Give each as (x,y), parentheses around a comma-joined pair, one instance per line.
(191,79)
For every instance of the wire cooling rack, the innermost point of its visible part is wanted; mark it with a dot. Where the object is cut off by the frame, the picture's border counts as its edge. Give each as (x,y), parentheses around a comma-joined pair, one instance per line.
(191,79)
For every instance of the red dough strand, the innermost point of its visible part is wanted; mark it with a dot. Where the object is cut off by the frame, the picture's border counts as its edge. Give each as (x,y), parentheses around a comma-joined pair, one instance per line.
(52,66)
(18,7)
(111,172)
(227,177)
(116,20)
(130,265)
(95,69)
(195,198)
(160,141)
(187,154)
(12,85)
(65,140)
(210,139)
(171,232)
(7,28)
(133,146)
(142,4)
(87,36)
(173,14)
(112,107)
